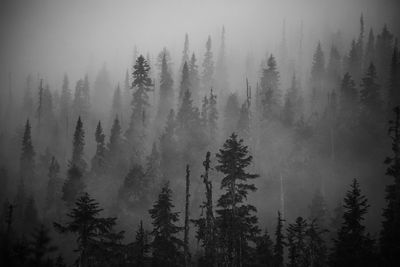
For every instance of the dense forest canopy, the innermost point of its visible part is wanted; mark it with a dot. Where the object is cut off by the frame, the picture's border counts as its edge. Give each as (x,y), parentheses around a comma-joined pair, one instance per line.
(199,133)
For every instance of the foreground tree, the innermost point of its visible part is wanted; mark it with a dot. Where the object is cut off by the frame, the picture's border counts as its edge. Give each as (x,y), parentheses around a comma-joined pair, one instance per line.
(236,223)
(166,246)
(279,242)
(353,246)
(86,224)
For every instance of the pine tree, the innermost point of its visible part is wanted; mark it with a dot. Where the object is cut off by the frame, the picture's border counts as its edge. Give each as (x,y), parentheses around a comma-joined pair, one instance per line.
(41,247)
(165,246)
(370,49)
(370,99)
(185,82)
(78,145)
(185,52)
(194,77)
(279,242)
(296,237)
(166,90)
(142,84)
(86,224)
(73,186)
(208,67)
(27,159)
(98,161)
(390,232)
(81,103)
(140,248)
(353,246)
(53,185)
(348,98)
(236,222)
(135,190)
(317,77)
(270,89)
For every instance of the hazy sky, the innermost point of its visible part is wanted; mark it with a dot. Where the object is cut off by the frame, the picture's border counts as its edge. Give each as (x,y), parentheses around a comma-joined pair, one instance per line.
(51,37)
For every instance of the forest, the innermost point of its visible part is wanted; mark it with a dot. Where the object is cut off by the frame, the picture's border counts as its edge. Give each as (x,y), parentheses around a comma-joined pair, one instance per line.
(289,157)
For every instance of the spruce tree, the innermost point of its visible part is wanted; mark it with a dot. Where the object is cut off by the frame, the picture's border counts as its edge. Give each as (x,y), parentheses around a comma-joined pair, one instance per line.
(87,226)
(390,233)
(140,248)
(166,90)
(135,190)
(27,159)
(271,95)
(73,186)
(370,99)
(353,246)
(296,238)
(115,143)
(318,210)
(316,250)
(41,247)
(194,77)
(168,148)
(394,81)
(221,73)
(153,166)
(264,254)
(98,161)
(53,185)
(208,67)
(348,98)
(185,82)
(166,247)
(116,108)
(317,77)
(236,222)
(78,145)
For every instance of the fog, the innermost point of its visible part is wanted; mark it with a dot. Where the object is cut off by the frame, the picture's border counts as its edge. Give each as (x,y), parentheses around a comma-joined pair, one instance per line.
(309,85)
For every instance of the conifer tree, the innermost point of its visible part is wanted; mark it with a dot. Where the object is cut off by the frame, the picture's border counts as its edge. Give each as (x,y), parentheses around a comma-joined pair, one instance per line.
(221,73)
(153,166)
(87,226)
(271,95)
(317,77)
(168,148)
(98,161)
(353,246)
(315,245)
(185,52)
(333,69)
(231,113)
(134,191)
(27,159)
(166,245)
(185,82)
(296,237)
(186,252)
(243,124)
(354,61)
(78,145)
(53,185)
(279,242)
(194,77)
(236,222)
(116,108)
(204,112)
(208,67)
(166,89)
(114,144)
(318,210)
(142,85)
(390,232)
(348,98)
(370,99)
(370,49)
(73,186)
(140,248)
(394,81)
(41,247)
(28,100)
(291,105)
(81,102)
(384,48)
(30,217)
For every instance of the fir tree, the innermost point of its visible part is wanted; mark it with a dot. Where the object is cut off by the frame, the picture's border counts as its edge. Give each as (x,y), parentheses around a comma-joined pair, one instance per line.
(134,191)
(73,186)
(41,247)
(114,144)
(116,108)
(270,89)
(333,70)
(315,245)
(185,82)
(194,77)
(78,145)
(394,81)
(168,148)
(243,124)
(208,67)
(390,233)
(166,89)
(89,228)
(354,61)
(296,237)
(30,217)
(27,159)
(292,104)
(165,246)
(235,221)
(98,161)
(140,248)
(185,52)
(153,166)
(384,48)
(353,246)
(53,185)
(348,98)
(370,99)
(370,49)
(317,77)
(318,210)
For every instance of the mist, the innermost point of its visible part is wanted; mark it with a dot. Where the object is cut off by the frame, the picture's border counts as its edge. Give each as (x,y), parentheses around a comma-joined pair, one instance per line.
(123,99)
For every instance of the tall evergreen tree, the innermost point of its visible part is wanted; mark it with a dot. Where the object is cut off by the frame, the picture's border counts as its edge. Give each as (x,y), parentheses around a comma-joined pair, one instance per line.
(166,245)
(390,233)
(318,209)
(208,67)
(185,52)
(65,101)
(41,247)
(221,73)
(370,98)
(54,184)
(353,246)
(185,82)
(271,95)
(236,222)
(194,77)
(28,100)
(212,115)
(317,77)
(135,190)
(348,98)
(296,237)
(140,248)
(264,254)
(369,49)
(394,81)
(166,90)
(27,159)
(231,113)
(116,108)
(114,144)
(98,161)
(168,148)
(73,186)
(89,228)
(78,146)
